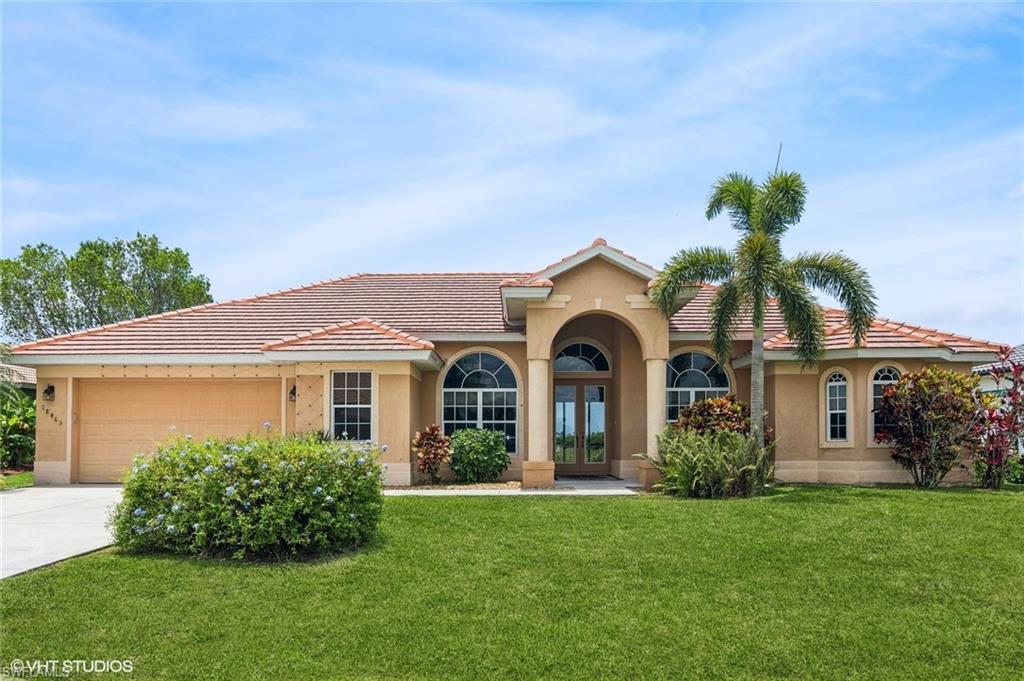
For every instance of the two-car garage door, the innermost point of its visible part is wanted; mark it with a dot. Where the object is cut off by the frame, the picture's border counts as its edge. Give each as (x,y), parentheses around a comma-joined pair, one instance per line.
(118,418)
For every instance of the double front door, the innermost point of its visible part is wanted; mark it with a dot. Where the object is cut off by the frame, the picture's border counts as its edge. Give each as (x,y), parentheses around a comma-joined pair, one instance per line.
(581,427)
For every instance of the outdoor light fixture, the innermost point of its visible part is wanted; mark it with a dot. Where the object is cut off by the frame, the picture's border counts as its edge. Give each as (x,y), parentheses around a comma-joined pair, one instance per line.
(48,392)
(292,394)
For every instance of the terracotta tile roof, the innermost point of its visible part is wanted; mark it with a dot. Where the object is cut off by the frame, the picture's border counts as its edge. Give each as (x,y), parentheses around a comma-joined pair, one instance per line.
(401,310)
(360,334)
(695,316)
(886,334)
(18,375)
(533,280)
(420,304)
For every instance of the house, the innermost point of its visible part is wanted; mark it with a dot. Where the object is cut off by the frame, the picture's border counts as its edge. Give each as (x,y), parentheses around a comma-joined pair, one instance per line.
(984,371)
(572,362)
(22,378)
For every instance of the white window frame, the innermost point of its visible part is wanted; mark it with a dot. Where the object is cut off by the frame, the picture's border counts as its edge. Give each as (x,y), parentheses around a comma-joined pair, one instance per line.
(873,383)
(479,395)
(719,392)
(371,405)
(829,411)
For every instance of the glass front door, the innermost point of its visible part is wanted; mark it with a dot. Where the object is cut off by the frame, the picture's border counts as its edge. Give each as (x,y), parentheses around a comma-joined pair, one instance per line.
(581,427)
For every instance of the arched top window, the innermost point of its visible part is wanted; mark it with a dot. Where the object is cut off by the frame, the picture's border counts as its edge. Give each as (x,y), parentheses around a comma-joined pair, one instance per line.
(480,370)
(883,377)
(886,375)
(693,376)
(581,357)
(480,392)
(836,407)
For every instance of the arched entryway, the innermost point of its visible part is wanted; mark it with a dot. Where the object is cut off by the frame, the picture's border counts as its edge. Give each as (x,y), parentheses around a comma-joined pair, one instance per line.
(598,397)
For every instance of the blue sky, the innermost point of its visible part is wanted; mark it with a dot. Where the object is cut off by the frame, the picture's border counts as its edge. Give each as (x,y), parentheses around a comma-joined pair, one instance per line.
(286,144)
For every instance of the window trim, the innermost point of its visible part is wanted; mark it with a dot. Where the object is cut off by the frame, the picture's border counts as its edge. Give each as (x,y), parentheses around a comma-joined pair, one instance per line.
(329,404)
(730,375)
(583,374)
(871,444)
(520,391)
(851,411)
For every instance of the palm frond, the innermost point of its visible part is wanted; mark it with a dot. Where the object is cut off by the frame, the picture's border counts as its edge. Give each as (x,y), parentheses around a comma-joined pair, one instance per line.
(736,193)
(805,322)
(726,307)
(758,258)
(687,267)
(840,277)
(783,196)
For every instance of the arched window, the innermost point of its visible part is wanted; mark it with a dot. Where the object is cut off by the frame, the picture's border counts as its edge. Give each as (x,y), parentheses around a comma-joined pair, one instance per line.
(835,393)
(885,376)
(581,357)
(693,376)
(480,391)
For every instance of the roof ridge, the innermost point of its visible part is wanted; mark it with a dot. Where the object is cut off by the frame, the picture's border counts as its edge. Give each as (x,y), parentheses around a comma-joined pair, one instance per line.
(181,311)
(360,323)
(596,243)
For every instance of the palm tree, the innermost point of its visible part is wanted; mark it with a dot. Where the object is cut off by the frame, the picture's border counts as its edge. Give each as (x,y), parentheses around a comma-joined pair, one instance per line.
(756,273)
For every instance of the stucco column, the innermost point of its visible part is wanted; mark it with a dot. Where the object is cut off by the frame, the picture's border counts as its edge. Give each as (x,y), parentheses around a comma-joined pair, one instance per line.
(655,416)
(539,467)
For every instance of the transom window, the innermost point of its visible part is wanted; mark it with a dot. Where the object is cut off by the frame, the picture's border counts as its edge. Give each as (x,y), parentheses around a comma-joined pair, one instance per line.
(693,376)
(352,404)
(836,388)
(480,391)
(577,357)
(885,376)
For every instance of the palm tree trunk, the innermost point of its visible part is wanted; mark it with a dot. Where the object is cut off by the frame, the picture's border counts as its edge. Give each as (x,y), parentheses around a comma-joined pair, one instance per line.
(757,385)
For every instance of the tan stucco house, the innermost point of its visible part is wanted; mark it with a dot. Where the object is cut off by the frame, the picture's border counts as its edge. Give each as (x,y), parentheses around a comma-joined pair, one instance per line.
(572,362)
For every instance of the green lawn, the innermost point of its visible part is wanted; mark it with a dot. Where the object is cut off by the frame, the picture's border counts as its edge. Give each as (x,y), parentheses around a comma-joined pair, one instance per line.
(807,582)
(15,480)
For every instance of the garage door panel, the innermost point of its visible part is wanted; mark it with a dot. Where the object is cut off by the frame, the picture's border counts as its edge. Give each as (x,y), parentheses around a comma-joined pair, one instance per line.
(118,418)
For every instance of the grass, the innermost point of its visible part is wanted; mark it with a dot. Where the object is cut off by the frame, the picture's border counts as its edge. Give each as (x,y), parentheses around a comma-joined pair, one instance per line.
(807,582)
(15,480)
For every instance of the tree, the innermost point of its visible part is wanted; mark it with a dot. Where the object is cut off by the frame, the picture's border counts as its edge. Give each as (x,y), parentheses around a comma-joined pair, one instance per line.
(934,420)
(44,292)
(1002,422)
(756,273)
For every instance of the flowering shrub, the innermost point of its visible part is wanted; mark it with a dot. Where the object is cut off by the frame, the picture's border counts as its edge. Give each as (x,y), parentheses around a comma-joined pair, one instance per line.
(717,414)
(432,449)
(999,457)
(266,497)
(718,463)
(478,455)
(934,422)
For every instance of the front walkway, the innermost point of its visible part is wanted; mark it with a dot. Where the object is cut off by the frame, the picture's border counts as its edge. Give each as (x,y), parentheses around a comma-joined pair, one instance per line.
(41,525)
(604,486)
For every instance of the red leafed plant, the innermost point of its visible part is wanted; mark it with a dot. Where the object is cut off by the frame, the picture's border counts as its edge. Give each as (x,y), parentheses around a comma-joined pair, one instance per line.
(716,414)
(1002,422)
(934,422)
(432,449)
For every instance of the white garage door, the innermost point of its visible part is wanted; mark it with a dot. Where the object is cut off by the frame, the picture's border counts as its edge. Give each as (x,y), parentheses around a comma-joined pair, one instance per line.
(118,418)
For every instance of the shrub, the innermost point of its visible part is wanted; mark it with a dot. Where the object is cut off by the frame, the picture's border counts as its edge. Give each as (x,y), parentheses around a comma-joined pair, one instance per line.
(933,422)
(251,497)
(1015,470)
(17,428)
(710,465)
(717,413)
(1002,423)
(478,455)
(432,449)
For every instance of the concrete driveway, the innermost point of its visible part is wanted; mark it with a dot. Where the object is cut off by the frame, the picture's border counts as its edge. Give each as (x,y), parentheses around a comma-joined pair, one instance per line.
(41,525)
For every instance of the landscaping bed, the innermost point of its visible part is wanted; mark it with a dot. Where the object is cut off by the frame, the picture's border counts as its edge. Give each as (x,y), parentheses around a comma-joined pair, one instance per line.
(801,582)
